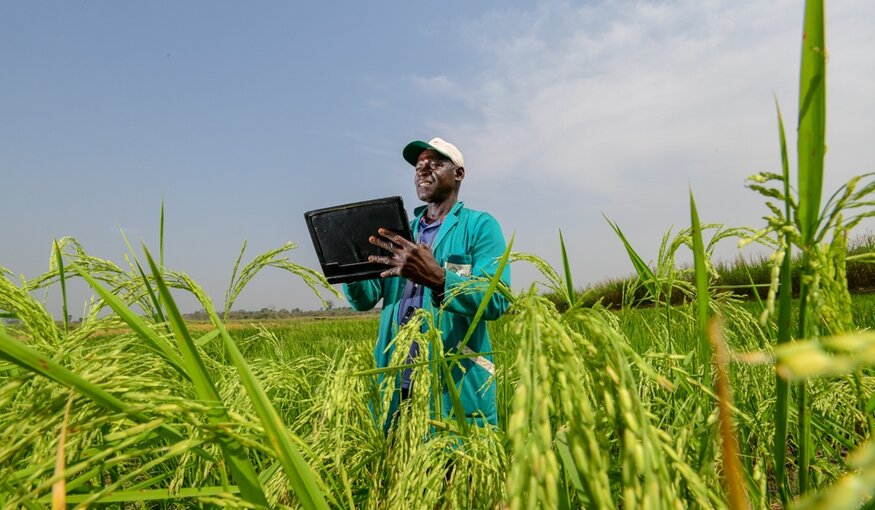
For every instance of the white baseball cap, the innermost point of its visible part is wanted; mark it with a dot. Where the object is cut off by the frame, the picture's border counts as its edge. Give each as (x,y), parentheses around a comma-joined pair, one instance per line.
(413,149)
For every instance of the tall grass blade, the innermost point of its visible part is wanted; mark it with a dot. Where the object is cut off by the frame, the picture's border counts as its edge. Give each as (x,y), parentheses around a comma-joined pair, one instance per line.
(30,359)
(452,389)
(812,119)
(493,284)
(59,488)
(63,279)
(303,479)
(153,340)
(804,440)
(569,285)
(161,236)
(455,396)
(754,287)
(156,301)
(156,495)
(567,459)
(229,295)
(785,312)
(811,147)
(234,453)
(702,294)
(644,273)
(160,255)
(733,473)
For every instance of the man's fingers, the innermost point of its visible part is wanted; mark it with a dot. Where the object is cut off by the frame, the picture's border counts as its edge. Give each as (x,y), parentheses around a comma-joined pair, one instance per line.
(380,260)
(386,245)
(394,237)
(392,271)
(390,241)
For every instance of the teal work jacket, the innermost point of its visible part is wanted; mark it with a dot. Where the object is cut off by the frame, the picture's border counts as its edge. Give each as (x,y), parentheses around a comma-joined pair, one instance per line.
(469,243)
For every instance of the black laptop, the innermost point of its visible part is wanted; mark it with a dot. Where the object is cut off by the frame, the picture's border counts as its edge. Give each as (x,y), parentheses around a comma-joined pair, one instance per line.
(340,236)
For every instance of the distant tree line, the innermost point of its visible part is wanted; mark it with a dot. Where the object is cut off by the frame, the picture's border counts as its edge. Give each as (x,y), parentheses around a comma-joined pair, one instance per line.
(268,313)
(746,278)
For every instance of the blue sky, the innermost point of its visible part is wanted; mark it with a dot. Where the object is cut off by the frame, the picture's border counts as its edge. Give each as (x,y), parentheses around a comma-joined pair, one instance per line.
(243,116)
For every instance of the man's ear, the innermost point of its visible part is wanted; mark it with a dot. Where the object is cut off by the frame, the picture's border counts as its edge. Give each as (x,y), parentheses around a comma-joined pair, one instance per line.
(460,173)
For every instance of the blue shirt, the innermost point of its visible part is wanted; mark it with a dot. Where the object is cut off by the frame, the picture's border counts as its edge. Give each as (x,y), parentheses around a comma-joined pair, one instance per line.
(411,298)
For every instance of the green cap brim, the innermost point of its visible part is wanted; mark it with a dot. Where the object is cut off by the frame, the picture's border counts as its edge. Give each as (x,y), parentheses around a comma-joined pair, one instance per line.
(413,149)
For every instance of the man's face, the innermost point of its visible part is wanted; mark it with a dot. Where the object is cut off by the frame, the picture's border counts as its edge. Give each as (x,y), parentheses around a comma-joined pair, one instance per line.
(435,177)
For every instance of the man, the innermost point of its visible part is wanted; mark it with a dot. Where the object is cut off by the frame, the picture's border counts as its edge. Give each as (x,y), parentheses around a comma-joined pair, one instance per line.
(453,245)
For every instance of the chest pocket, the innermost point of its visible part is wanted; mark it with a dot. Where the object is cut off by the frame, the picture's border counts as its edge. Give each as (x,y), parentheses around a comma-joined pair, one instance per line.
(459,264)
(456,247)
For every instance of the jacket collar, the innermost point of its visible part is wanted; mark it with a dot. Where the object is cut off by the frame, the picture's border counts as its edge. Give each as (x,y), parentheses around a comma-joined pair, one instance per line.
(450,221)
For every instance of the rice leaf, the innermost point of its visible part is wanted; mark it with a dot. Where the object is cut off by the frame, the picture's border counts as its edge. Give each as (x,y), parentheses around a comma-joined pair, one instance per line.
(785,311)
(135,496)
(230,293)
(156,302)
(493,284)
(30,359)
(644,273)
(63,279)
(569,285)
(811,147)
(452,389)
(702,293)
(206,338)
(567,460)
(811,143)
(161,236)
(303,479)
(160,256)
(761,306)
(234,453)
(59,488)
(733,473)
(455,396)
(153,340)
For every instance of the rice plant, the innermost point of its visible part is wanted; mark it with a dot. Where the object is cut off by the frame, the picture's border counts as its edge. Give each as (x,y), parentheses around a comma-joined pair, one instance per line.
(824,301)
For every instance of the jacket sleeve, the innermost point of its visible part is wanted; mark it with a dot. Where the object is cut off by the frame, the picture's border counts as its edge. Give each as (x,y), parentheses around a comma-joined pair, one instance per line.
(363,295)
(487,247)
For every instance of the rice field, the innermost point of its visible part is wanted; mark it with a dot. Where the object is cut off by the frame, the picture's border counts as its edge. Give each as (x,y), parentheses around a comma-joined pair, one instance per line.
(710,403)
(595,412)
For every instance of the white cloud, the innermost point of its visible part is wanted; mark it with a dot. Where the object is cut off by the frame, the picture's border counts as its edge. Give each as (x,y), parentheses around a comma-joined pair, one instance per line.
(438,85)
(626,104)
(650,86)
